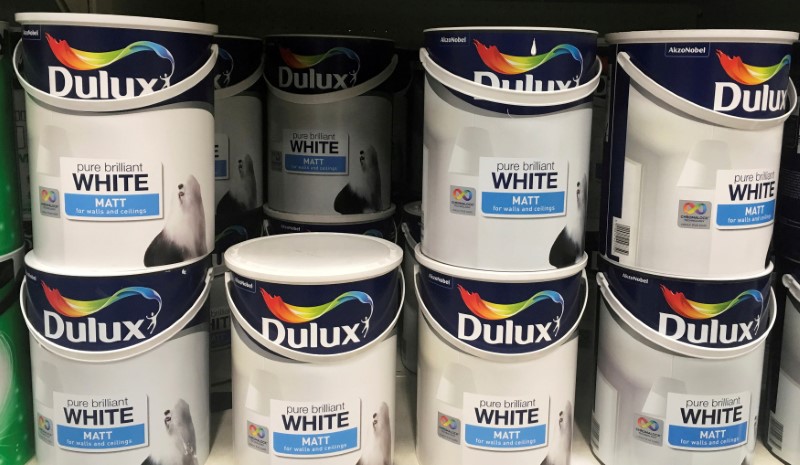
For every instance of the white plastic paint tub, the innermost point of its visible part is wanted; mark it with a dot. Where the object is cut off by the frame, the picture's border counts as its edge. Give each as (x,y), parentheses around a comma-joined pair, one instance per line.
(238,173)
(650,398)
(506,145)
(329,124)
(496,381)
(783,425)
(115,181)
(120,364)
(321,307)
(16,418)
(410,230)
(694,145)
(380,225)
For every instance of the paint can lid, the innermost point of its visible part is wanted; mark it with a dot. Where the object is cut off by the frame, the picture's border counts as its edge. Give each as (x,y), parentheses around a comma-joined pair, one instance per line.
(508,28)
(708,35)
(313,258)
(500,276)
(116,21)
(413,208)
(329,219)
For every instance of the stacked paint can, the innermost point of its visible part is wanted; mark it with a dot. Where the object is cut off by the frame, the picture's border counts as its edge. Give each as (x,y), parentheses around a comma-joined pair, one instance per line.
(329,131)
(500,278)
(314,348)
(16,417)
(784,354)
(692,158)
(120,137)
(238,174)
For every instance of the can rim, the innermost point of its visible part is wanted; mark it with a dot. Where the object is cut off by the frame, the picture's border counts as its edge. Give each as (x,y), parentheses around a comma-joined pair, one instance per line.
(715,35)
(728,279)
(328,36)
(510,29)
(42,265)
(116,21)
(330,219)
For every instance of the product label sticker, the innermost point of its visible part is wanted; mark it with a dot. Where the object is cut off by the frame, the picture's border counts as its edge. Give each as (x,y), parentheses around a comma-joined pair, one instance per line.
(49,202)
(222,156)
(111,190)
(649,430)
(698,422)
(220,328)
(96,424)
(505,423)
(745,198)
(312,151)
(694,214)
(44,429)
(449,428)
(462,200)
(315,429)
(258,437)
(523,188)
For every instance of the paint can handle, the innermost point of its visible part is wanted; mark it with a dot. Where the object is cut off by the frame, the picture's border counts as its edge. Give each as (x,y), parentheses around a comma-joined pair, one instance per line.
(507,96)
(116,105)
(248,82)
(696,111)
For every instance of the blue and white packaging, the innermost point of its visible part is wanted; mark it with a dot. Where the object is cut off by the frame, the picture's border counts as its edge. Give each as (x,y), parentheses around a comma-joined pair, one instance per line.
(319,306)
(329,124)
(496,363)
(507,193)
(111,356)
(108,99)
(669,402)
(380,225)
(694,145)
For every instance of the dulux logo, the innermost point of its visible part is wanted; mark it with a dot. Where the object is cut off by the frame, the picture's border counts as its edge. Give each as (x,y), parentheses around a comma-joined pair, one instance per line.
(471,327)
(502,63)
(102,85)
(72,318)
(730,96)
(282,330)
(300,72)
(705,328)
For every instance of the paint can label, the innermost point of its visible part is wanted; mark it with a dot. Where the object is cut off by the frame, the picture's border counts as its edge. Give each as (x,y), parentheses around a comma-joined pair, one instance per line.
(505,423)
(502,318)
(315,429)
(111,190)
(318,319)
(100,424)
(708,314)
(104,314)
(707,423)
(523,188)
(313,151)
(745,198)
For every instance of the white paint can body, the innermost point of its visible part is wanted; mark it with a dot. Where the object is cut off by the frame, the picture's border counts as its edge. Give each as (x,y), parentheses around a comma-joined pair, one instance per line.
(318,306)
(380,225)
(107,157)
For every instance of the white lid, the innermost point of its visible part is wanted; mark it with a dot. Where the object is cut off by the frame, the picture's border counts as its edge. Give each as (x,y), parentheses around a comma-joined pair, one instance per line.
(36,263)
(508,28)
(500,276)
(329,219)
(116,21)
(703,35)
(413,208)
(313,258)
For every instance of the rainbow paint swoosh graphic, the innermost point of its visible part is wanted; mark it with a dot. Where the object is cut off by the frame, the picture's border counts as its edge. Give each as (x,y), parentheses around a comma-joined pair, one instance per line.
(512,64)
(296,61)
(700,311)
(86,61)
(295,314)
(493,311)
(82,308)
(750,75)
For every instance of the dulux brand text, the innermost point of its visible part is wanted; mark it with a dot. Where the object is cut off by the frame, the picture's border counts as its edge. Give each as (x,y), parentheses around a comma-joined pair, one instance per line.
(101,85)
(712,332)
(730,96)
(528,84)
(470,329)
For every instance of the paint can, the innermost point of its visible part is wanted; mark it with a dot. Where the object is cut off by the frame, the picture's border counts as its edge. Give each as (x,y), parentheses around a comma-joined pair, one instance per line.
(496,383)
(108,100)
(494,200)
(694,144)
(10,215)
(411,232)
(319,306)
(380,225)
(329,124)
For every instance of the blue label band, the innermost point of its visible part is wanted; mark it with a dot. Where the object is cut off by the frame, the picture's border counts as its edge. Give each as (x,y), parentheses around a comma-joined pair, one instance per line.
(315,164)
(505,438)
(309,445)
(750,214)
(101,439)
(711,437)
(112,206)
(539,203)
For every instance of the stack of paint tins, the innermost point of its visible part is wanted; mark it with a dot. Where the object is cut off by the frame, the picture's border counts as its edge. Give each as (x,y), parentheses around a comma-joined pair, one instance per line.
(329,131)
(238,174)
(16,417)
(120,134)
(692,160)
(314,348)
(784,350)
(500,280)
